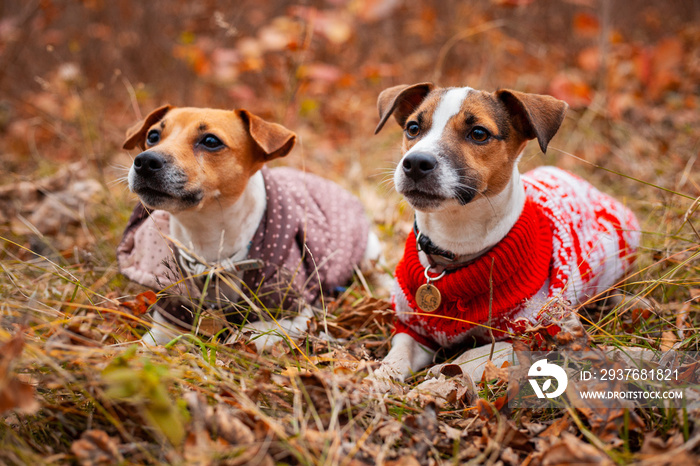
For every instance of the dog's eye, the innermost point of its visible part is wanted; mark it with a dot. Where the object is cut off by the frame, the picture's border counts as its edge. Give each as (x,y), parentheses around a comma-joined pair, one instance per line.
(211,142)
(412,130)
(153,137)
(479,134)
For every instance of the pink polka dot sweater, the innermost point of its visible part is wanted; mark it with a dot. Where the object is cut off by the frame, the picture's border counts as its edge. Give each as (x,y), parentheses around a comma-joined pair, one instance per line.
(313,232)
(589,237)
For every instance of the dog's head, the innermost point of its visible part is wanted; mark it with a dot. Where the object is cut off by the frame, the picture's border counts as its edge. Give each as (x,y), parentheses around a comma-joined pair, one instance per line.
(459,142)
(192,156)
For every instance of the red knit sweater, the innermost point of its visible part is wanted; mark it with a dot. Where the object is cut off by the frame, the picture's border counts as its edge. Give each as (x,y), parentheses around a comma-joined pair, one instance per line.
(570,243)
(508,274)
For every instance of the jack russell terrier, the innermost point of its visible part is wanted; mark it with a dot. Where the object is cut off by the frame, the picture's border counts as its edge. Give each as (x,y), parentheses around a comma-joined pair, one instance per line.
(216,226)
(491,250)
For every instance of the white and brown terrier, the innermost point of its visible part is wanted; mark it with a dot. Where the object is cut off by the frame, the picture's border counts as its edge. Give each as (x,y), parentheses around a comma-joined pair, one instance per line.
(216,226)
(491,249)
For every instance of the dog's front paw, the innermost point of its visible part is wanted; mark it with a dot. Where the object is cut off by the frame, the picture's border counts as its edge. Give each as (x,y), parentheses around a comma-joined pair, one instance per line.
(386,379)
(162,332)
(449,386)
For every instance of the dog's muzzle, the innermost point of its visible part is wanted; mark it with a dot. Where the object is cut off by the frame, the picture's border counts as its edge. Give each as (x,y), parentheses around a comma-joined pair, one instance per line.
(159,183)
(148,164)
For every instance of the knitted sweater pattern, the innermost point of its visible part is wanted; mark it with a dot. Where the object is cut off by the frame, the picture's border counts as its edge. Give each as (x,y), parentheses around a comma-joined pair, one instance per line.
(313,232)
(570,243)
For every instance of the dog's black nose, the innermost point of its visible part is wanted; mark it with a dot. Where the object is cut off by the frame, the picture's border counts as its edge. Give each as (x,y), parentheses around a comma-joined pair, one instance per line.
(418,165)
(148,163)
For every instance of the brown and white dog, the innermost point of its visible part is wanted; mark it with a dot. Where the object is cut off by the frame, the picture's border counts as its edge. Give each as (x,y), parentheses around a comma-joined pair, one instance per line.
(492,250)
(211,209)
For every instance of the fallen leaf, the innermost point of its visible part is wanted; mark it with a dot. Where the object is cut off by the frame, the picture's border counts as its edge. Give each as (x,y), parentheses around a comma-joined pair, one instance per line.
(509,456)
(512,3)
(368,314)
(423,428)
(572,89)
(375,10)
(666,59)
(60,209)
(14,394)
(606,419)
(141,303)
(82,330)
(573,451)
(669,452)
(668,339)
(586,25)
(485,409)
(404,461)
(96,447)
(458,390)
(491,372)
(682,319)
(556,428)
(589,59)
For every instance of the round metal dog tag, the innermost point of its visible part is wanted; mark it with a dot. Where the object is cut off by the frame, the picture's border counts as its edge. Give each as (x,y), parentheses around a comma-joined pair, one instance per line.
(428,297)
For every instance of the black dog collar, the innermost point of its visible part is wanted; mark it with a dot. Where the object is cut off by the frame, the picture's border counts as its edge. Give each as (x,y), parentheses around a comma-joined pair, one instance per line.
(427,246)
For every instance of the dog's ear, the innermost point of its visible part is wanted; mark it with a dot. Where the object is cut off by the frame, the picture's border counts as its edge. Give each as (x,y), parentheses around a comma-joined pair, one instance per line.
(272,139)
(401,101)
(136,135)
(534,115)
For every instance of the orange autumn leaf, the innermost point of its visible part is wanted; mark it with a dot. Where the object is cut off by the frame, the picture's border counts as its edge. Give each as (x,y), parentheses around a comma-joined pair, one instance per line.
(141,303)
(586,25)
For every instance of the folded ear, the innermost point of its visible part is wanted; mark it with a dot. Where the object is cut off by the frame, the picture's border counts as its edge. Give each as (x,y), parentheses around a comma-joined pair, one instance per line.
(534,115)
(136,135)
(401,101)
(272,139)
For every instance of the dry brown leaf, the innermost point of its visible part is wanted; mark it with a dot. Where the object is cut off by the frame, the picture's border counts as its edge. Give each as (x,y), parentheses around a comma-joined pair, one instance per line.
(458,391)
(491,372)
(556,428)
(368,314)
(667,58)
(404,461)
(668,339)
(63,208)
(682,319)
(509,456)
(201,449)
(96,447)
(223,423)
(573,451)
(606,421)
(518,439)
(512,3)
(586,24)
(485,409)
(423,428)
(689,373)
(14,394)
(572,89)
(18,396)
(215,430)
(82,331)
(654,445)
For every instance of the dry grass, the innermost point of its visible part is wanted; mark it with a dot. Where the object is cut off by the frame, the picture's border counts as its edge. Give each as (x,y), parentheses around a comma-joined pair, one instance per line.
(90,394)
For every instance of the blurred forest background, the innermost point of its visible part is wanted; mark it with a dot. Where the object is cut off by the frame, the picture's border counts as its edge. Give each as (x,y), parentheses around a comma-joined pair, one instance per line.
(75,74)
